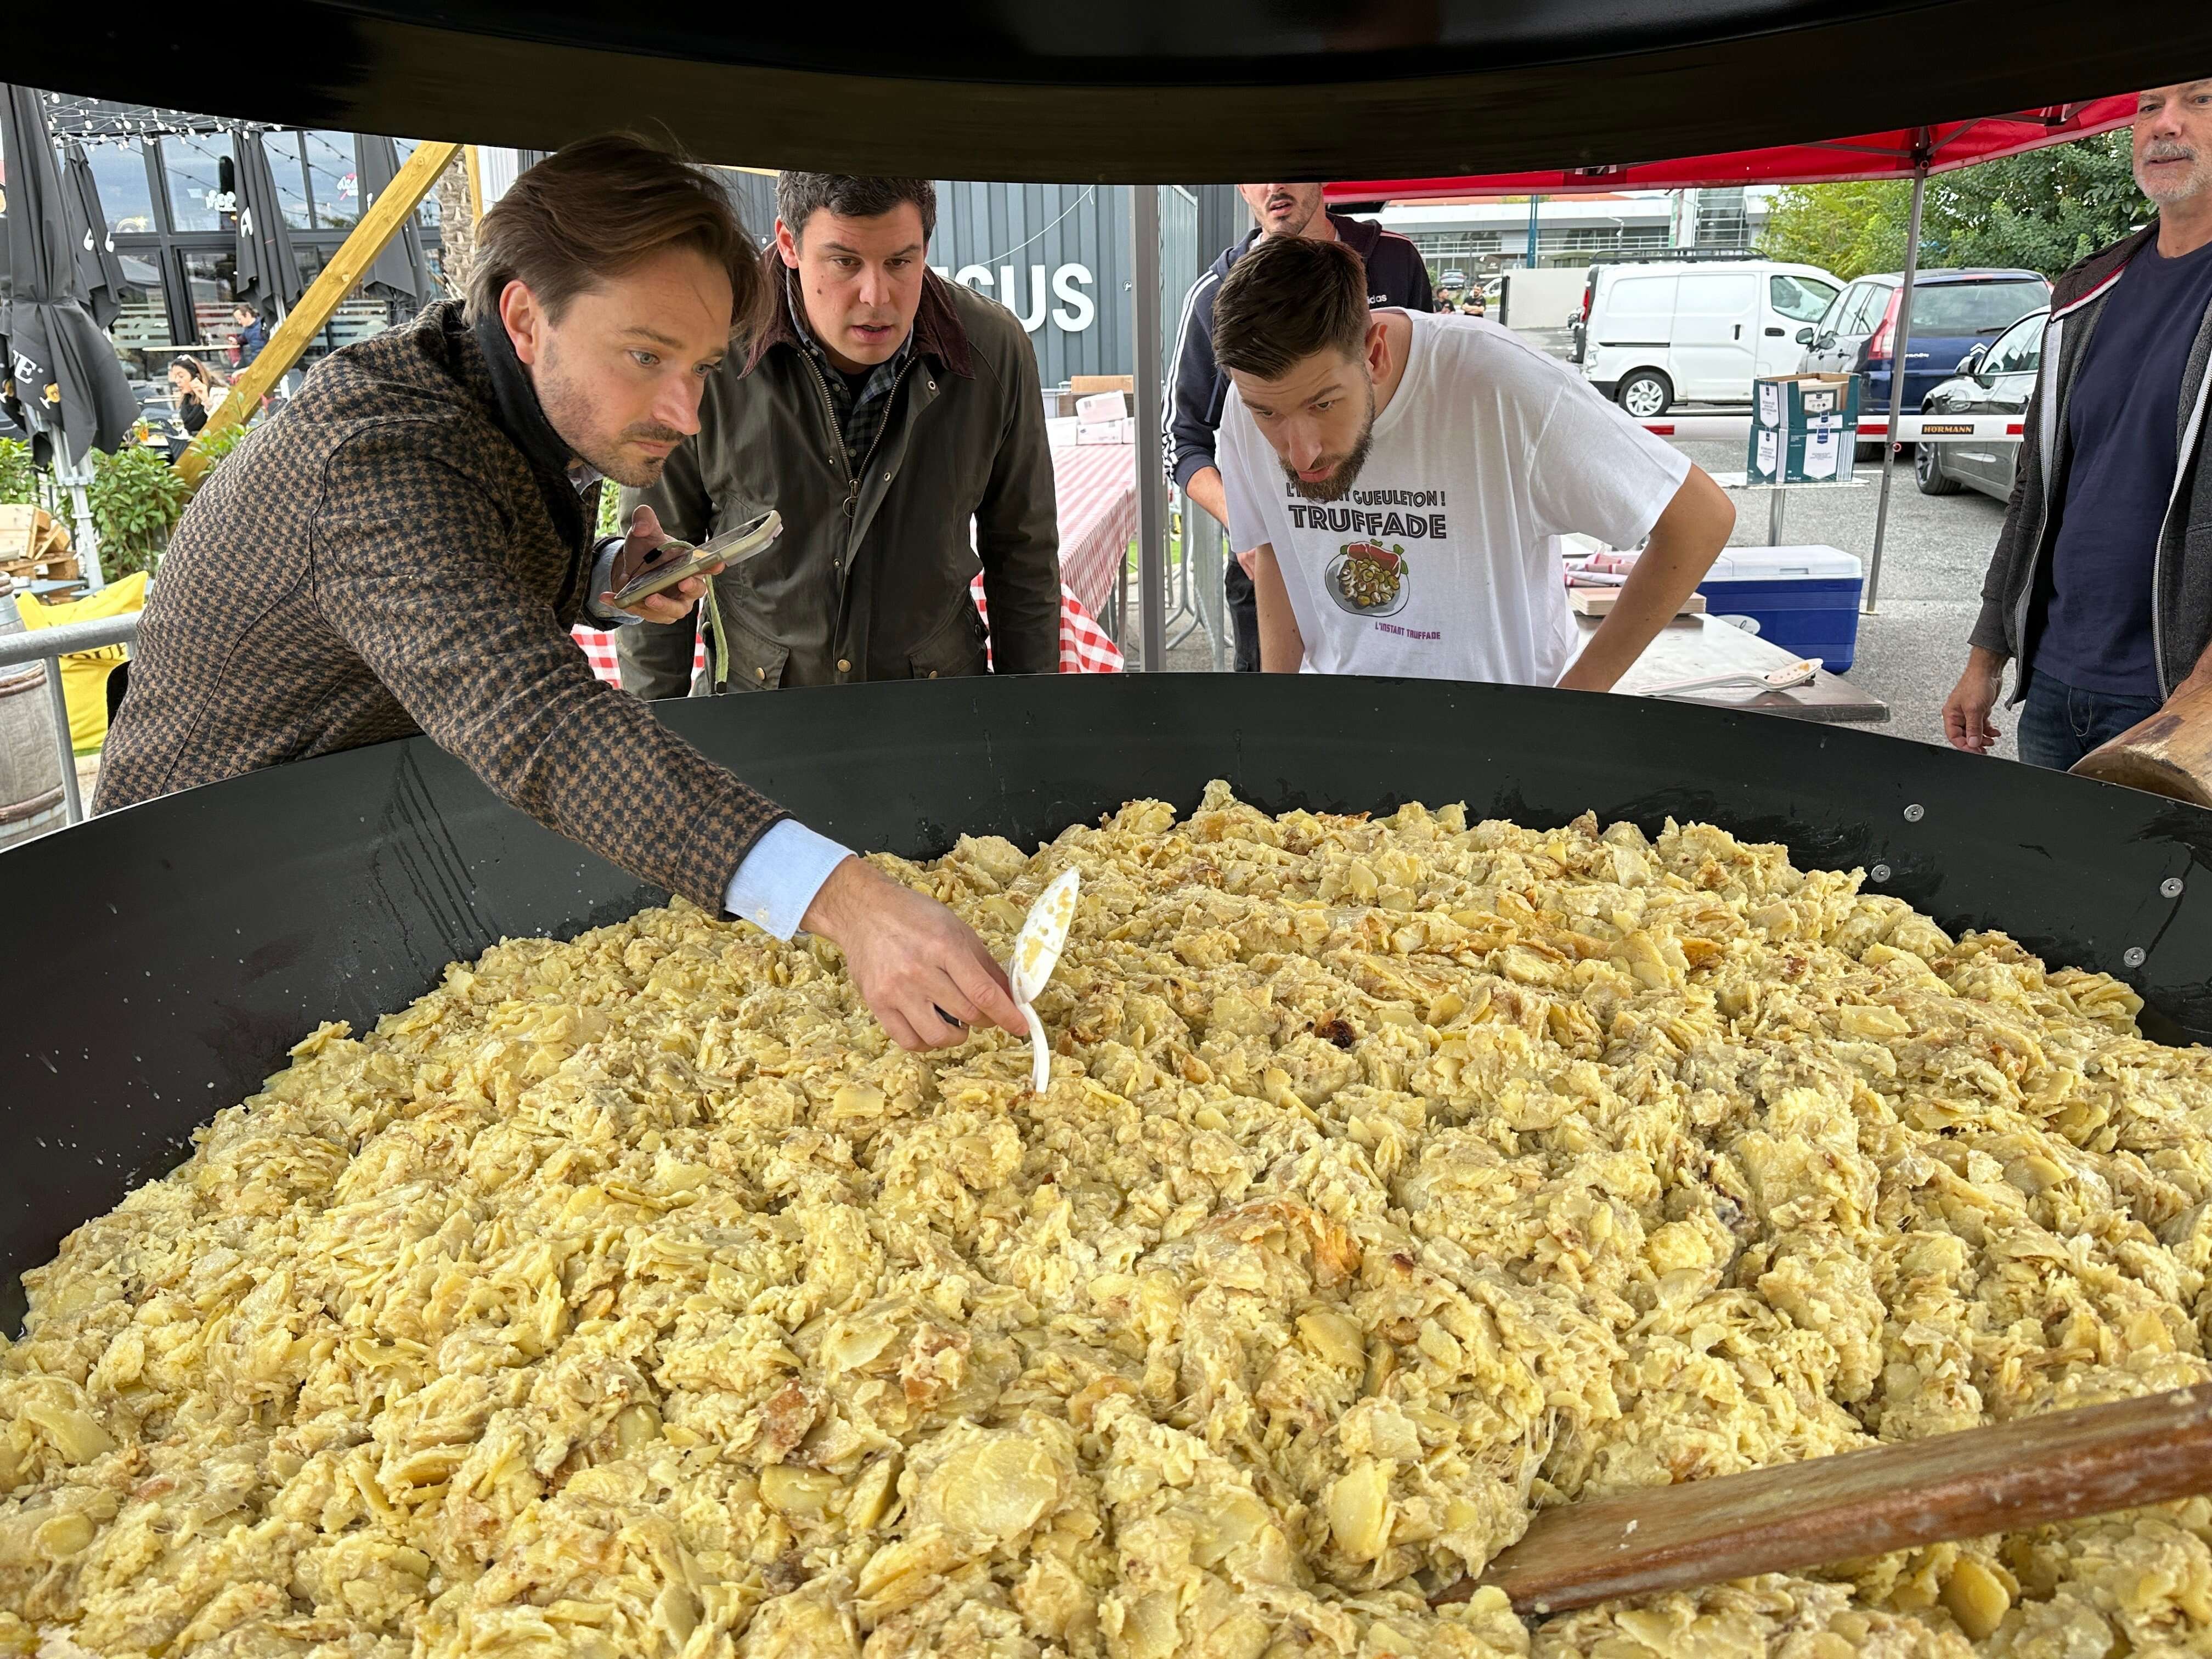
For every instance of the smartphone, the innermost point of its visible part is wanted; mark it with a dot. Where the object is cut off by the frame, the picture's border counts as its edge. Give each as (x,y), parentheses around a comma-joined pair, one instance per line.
(673,561)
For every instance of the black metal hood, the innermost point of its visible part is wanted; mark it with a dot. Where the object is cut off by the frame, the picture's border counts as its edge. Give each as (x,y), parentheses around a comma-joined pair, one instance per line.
(1138,90)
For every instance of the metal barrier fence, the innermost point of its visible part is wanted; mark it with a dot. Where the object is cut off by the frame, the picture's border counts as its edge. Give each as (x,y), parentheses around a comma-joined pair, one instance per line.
(49,646)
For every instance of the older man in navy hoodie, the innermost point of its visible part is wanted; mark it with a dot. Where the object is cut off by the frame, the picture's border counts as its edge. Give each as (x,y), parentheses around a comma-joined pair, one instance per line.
(1196,387)
(2101,589)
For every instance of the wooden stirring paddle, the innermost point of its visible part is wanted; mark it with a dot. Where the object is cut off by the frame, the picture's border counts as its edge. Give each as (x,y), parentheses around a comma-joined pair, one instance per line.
(2169,754)
(2058,1466)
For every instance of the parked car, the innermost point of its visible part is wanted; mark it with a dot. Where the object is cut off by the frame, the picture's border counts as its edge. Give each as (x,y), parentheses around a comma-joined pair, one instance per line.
(1993,379)
(1952,312)
(1654,335)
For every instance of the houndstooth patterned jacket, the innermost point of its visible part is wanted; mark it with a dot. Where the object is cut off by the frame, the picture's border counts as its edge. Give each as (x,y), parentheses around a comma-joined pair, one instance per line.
(402,550)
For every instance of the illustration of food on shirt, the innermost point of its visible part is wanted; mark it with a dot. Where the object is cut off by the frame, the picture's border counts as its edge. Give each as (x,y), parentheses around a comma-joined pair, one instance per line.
(1369,580)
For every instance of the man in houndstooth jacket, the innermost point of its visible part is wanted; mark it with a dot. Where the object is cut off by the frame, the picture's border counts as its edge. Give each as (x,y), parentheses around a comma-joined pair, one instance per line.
(404,549)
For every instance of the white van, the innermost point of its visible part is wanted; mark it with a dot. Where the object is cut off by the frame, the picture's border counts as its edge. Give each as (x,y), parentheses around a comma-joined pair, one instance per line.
(1657,335)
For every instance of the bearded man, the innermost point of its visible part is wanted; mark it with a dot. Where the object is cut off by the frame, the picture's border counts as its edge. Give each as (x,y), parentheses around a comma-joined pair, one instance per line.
(1405,479)
(2100,587)
(405,547)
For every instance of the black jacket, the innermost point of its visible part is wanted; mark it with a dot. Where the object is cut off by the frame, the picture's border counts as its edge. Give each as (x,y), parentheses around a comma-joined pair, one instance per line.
(1196,388)
(2181,578)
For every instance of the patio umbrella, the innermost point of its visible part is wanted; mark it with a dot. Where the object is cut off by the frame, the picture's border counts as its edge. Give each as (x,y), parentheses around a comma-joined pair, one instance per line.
(267,274)
(64,384)
(401,272)
(97,266)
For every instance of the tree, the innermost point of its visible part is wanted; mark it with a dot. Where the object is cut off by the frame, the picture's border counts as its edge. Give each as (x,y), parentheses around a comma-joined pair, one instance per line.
(1848,228)
(2042,210)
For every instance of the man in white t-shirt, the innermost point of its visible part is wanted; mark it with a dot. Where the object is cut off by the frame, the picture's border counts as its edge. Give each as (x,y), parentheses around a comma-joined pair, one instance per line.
(1406,478)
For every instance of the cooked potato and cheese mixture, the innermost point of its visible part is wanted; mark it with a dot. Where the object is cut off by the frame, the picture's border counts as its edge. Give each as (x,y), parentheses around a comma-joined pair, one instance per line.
(633,1296)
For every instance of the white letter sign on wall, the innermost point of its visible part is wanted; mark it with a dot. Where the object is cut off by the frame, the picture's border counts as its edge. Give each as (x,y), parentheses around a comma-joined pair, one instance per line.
(1075,313)
(1078,314)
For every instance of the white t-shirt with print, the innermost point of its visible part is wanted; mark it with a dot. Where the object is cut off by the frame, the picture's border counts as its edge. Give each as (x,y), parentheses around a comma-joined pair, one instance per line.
(1442,562)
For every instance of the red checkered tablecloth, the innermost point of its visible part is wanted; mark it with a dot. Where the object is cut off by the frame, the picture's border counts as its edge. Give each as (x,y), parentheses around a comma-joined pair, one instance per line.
(1083,646)
(1096,485)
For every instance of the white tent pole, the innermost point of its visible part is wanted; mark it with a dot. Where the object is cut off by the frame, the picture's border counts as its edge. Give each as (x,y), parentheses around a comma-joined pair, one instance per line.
(1901,348)
(1151,475)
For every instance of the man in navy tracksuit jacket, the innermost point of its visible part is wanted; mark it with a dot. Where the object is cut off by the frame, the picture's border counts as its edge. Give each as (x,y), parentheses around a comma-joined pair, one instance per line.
(1196,388)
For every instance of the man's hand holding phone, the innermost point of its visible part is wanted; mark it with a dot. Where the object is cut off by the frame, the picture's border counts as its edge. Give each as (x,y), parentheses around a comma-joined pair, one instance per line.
(646,545)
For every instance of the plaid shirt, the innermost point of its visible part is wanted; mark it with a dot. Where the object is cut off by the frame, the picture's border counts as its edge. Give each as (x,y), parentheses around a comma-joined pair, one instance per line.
(859,414)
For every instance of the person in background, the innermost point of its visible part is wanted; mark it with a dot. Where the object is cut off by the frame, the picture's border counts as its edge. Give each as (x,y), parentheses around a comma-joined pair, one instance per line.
(2100,588)
(881,410)
(405,549)
(1196,389)
(198,389)
(253,334)
(1404,480)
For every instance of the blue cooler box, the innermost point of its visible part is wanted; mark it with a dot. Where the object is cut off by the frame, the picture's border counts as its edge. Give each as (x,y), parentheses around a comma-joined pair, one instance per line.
(1805,599)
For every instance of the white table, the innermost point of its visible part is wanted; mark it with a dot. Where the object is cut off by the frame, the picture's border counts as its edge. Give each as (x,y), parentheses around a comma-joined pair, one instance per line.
(1694,648)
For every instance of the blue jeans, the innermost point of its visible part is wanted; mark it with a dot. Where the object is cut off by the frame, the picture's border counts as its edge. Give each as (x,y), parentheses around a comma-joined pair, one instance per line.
(2060,723)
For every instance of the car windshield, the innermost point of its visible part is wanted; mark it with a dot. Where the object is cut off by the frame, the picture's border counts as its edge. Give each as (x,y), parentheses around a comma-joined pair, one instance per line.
(1954,308)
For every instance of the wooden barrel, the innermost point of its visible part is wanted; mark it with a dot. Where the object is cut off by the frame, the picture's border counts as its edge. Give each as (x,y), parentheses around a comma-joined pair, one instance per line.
(31,801)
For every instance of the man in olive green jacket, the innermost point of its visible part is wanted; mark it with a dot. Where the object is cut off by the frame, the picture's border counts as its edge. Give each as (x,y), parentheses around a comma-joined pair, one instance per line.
(879,411)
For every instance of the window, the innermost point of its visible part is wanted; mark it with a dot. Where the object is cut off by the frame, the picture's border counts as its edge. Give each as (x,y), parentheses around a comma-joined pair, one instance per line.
(333,180)
(1955,308)
(2020,351)
(126,192)
(358,316)
(193,163)
(282,150)
(1721,220)
(1801,299)
(145,321)
(1865,314)
(207,282)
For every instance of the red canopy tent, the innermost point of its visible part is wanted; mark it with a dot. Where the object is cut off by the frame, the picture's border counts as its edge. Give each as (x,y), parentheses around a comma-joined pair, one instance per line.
(1894,154)
(1901,152)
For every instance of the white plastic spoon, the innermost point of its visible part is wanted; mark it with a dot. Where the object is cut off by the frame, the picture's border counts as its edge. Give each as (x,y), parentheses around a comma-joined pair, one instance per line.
(1037,953)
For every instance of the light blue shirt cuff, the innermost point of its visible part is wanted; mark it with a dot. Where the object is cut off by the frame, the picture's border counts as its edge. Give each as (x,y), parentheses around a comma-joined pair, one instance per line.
(603,579)
(779,878)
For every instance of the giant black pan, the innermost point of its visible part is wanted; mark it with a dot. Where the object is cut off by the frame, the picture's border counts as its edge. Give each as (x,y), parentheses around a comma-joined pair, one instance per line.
(159,961)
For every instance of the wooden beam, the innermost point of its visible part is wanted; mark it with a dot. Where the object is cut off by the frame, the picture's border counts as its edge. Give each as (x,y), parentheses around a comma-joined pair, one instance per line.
(304,321)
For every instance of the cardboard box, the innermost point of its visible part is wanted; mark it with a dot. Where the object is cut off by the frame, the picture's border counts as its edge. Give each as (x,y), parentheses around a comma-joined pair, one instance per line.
(1101,406)
(1804,429)
(1821,454)
(1794,402)
(1123,431)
